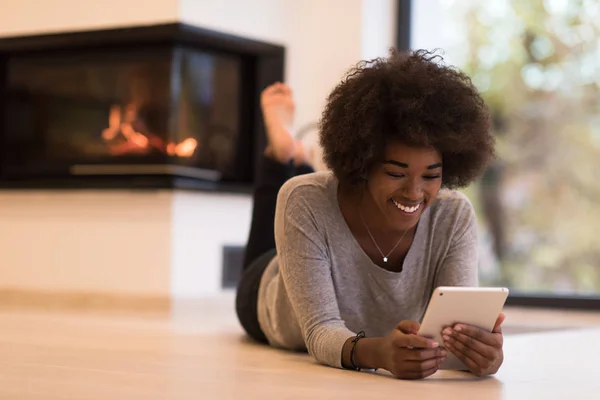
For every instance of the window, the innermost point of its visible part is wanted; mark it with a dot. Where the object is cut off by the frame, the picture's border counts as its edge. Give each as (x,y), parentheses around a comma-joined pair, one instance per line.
(537,63)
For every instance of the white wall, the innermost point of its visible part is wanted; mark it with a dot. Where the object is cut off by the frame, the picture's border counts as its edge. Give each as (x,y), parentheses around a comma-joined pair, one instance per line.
(152,243)
(378,34)
(325,43)
(202,223)
(266,20)
(39,16)
(85,241)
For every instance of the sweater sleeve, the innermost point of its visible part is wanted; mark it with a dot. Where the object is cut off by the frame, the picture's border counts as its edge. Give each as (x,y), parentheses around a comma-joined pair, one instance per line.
(305,267)
(460,264)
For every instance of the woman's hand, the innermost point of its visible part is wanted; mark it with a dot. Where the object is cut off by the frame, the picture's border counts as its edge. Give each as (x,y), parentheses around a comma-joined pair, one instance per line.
(479,350)
(409,356)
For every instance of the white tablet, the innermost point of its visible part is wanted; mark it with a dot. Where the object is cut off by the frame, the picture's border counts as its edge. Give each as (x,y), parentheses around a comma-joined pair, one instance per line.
(475,306)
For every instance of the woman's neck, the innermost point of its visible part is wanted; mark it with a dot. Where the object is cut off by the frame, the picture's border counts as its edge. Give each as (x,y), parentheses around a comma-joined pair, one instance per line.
(357,205)
(372,231)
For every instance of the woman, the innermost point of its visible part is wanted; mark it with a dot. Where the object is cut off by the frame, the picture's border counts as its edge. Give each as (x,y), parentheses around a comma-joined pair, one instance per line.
(354,253)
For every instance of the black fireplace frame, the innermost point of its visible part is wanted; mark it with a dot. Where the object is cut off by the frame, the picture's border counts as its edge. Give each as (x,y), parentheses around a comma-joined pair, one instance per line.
(264,64)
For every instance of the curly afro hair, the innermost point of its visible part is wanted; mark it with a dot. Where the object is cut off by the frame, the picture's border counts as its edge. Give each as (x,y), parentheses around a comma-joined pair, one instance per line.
(411,98)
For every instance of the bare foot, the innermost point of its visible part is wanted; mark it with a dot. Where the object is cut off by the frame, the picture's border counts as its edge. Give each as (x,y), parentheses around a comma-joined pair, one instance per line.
(278,108)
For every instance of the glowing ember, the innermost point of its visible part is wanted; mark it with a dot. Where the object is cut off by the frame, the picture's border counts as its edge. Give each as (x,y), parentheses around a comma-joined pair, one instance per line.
(124,123)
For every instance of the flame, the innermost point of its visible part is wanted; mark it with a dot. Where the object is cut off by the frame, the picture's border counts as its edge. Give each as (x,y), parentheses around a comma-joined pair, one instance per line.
(122,122)
(114,123)
(183,149)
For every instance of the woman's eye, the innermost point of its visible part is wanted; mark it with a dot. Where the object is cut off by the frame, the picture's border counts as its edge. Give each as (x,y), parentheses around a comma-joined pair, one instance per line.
(398,175)
(395,175)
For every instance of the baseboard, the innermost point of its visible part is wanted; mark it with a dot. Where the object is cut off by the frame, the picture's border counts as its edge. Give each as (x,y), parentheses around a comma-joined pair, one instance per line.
(18,298)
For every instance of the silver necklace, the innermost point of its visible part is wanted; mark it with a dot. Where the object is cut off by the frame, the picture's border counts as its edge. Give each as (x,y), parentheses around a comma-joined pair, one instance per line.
(385,257)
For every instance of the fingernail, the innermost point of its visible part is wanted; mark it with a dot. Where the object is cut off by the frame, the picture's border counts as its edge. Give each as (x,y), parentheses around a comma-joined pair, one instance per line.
(435,345)
(443,354)
(447,331)
(458,328)
(446,337)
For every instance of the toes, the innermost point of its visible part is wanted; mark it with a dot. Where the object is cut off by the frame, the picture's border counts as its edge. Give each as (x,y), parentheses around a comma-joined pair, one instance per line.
(270,89)
(286,89)
(278,88)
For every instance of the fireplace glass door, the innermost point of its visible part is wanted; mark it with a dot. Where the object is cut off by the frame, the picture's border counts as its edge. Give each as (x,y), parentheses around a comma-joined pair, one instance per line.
(154,111)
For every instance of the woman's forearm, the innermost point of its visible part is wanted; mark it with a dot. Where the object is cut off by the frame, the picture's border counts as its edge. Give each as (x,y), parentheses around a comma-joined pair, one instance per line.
(367,353)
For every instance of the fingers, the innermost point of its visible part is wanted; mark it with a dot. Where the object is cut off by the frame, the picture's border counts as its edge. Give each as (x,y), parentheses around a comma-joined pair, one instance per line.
(488,338)
(486,348)
(475,366)
(420,374)
(421,369)
(424,355)
(430,364)
(409,327)
(467,348)
(413,341)
(418,364)
(420,342)
(477,349)
(499,322)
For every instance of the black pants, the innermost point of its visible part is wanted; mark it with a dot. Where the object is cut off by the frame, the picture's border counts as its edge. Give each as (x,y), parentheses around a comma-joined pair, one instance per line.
(260,249)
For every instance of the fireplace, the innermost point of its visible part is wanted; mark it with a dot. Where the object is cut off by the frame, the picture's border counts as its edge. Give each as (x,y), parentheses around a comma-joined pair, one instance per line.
(160,106)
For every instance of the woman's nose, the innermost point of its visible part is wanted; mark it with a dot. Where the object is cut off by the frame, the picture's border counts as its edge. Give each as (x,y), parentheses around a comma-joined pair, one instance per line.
(413,190)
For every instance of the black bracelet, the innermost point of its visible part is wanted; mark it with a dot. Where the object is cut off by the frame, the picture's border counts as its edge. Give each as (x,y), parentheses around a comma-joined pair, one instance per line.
(359,336)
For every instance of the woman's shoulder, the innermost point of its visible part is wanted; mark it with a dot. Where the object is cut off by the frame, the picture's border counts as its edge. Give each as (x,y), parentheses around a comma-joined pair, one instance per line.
(452,207)
(448,198)
(307,202)
(309,188)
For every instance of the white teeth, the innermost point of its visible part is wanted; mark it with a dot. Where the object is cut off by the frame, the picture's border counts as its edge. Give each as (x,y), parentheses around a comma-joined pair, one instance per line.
(405,208)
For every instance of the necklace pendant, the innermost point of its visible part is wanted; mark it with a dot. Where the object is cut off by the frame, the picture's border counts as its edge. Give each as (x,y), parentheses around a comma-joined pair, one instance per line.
(384,259)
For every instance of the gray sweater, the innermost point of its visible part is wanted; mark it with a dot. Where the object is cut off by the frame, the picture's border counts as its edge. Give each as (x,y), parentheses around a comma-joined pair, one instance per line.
(322,288)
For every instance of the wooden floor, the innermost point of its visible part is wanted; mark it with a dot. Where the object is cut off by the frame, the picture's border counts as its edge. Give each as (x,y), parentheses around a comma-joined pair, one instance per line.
(199,352)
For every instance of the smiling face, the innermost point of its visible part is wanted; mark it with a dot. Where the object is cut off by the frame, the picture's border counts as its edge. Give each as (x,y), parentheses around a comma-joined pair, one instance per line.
(405,184)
